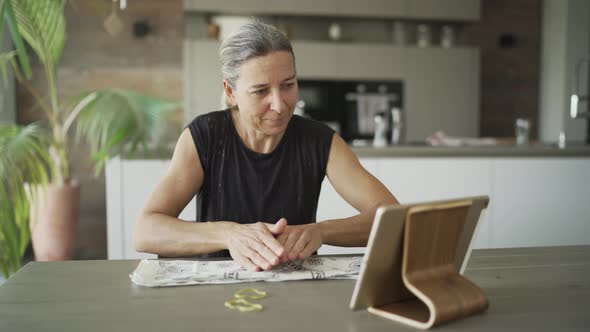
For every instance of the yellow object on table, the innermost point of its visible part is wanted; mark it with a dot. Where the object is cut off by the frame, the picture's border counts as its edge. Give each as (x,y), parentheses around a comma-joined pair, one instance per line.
(240,301)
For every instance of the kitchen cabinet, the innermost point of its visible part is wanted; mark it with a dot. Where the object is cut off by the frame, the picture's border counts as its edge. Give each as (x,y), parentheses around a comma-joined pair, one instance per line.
(540,201)
(130,182)
(203,82)
(315,60)
(418,180)
(460,10)
(533,201)
(371,8)
(441,91)
(353,8)
(369,61)
(443,10)
(366,8)
(336,61)
(307,7)
(441,86)
(250,7)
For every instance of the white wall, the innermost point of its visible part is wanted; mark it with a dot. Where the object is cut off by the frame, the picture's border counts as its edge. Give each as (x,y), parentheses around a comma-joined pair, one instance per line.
(565,39)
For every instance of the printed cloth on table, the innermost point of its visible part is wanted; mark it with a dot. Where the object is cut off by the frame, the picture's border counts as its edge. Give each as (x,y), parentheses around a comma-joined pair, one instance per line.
(161,273)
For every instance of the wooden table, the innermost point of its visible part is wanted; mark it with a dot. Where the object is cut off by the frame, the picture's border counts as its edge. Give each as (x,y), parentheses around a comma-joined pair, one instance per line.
(532,289)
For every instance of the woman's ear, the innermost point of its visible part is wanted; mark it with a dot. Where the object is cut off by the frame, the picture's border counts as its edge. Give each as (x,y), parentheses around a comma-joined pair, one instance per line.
(229,94)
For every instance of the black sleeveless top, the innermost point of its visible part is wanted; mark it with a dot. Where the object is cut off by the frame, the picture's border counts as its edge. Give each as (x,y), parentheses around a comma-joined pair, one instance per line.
(244,186)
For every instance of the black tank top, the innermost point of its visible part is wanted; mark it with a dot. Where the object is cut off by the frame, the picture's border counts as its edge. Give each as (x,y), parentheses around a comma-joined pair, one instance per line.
(244,186)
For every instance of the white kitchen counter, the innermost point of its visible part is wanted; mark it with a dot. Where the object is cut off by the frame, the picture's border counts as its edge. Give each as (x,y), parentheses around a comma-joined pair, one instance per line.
(421,150)
(534,200)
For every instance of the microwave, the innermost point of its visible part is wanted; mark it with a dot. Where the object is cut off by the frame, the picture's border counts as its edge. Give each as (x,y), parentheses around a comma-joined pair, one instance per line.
(349,106)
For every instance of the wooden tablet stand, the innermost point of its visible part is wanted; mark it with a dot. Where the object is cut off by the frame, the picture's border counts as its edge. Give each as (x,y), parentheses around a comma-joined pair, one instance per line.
(432,235)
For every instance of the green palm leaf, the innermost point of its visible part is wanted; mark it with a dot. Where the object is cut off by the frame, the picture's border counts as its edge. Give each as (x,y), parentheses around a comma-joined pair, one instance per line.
(24,158)
(112,121)
(7,15)
(6,59)
(117,119)
(42,24)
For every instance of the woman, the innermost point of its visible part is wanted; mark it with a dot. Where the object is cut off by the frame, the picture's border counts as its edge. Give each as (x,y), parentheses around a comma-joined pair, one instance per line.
(257,169)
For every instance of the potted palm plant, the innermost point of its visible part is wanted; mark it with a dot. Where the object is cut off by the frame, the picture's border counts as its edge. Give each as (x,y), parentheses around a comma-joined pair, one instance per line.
(39,196)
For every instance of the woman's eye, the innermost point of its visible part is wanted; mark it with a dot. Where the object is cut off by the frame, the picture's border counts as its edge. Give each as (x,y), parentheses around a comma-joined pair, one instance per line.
(259,92)
(288,85)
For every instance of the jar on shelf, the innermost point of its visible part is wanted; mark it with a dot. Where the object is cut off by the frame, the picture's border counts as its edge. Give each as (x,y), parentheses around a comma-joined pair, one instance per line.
(423,35)
(335,31)
(399,33)
(447,36)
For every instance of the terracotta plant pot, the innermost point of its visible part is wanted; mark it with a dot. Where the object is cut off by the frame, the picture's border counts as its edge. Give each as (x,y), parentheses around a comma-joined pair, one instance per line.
(54,222)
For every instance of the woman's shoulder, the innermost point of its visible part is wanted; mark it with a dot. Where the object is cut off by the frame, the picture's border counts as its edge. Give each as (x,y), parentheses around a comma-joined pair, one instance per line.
(211,118)
(206,127)
(313,127)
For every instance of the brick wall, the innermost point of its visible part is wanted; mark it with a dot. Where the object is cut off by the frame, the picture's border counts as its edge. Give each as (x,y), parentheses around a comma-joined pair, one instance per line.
(94,59)
(509,36)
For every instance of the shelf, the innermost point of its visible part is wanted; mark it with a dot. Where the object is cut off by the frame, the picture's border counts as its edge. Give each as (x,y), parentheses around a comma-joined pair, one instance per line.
(453,10)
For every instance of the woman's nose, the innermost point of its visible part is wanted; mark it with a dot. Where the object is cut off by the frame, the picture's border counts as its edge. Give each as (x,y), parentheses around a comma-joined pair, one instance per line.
(276,102)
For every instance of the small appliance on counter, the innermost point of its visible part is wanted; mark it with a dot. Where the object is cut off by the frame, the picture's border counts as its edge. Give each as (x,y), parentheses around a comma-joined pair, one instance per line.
(380,138)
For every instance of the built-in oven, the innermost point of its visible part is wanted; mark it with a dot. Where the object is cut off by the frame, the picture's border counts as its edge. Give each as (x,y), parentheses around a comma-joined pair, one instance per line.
(350,107)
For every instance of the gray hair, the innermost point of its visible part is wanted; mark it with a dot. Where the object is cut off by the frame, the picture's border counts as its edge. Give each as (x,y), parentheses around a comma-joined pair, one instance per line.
(249,41)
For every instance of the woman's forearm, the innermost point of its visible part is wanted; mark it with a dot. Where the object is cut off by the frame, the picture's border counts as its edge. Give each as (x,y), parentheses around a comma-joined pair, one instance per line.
(171,237)
(347,232)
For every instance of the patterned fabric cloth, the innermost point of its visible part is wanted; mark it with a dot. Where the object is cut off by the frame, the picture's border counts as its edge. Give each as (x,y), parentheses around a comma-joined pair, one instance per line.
(161,273)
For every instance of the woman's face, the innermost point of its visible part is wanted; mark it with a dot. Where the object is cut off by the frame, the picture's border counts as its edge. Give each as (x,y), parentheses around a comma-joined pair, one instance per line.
(266,92)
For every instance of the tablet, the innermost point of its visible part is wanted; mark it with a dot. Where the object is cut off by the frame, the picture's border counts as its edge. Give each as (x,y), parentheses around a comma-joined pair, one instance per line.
(380,277)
